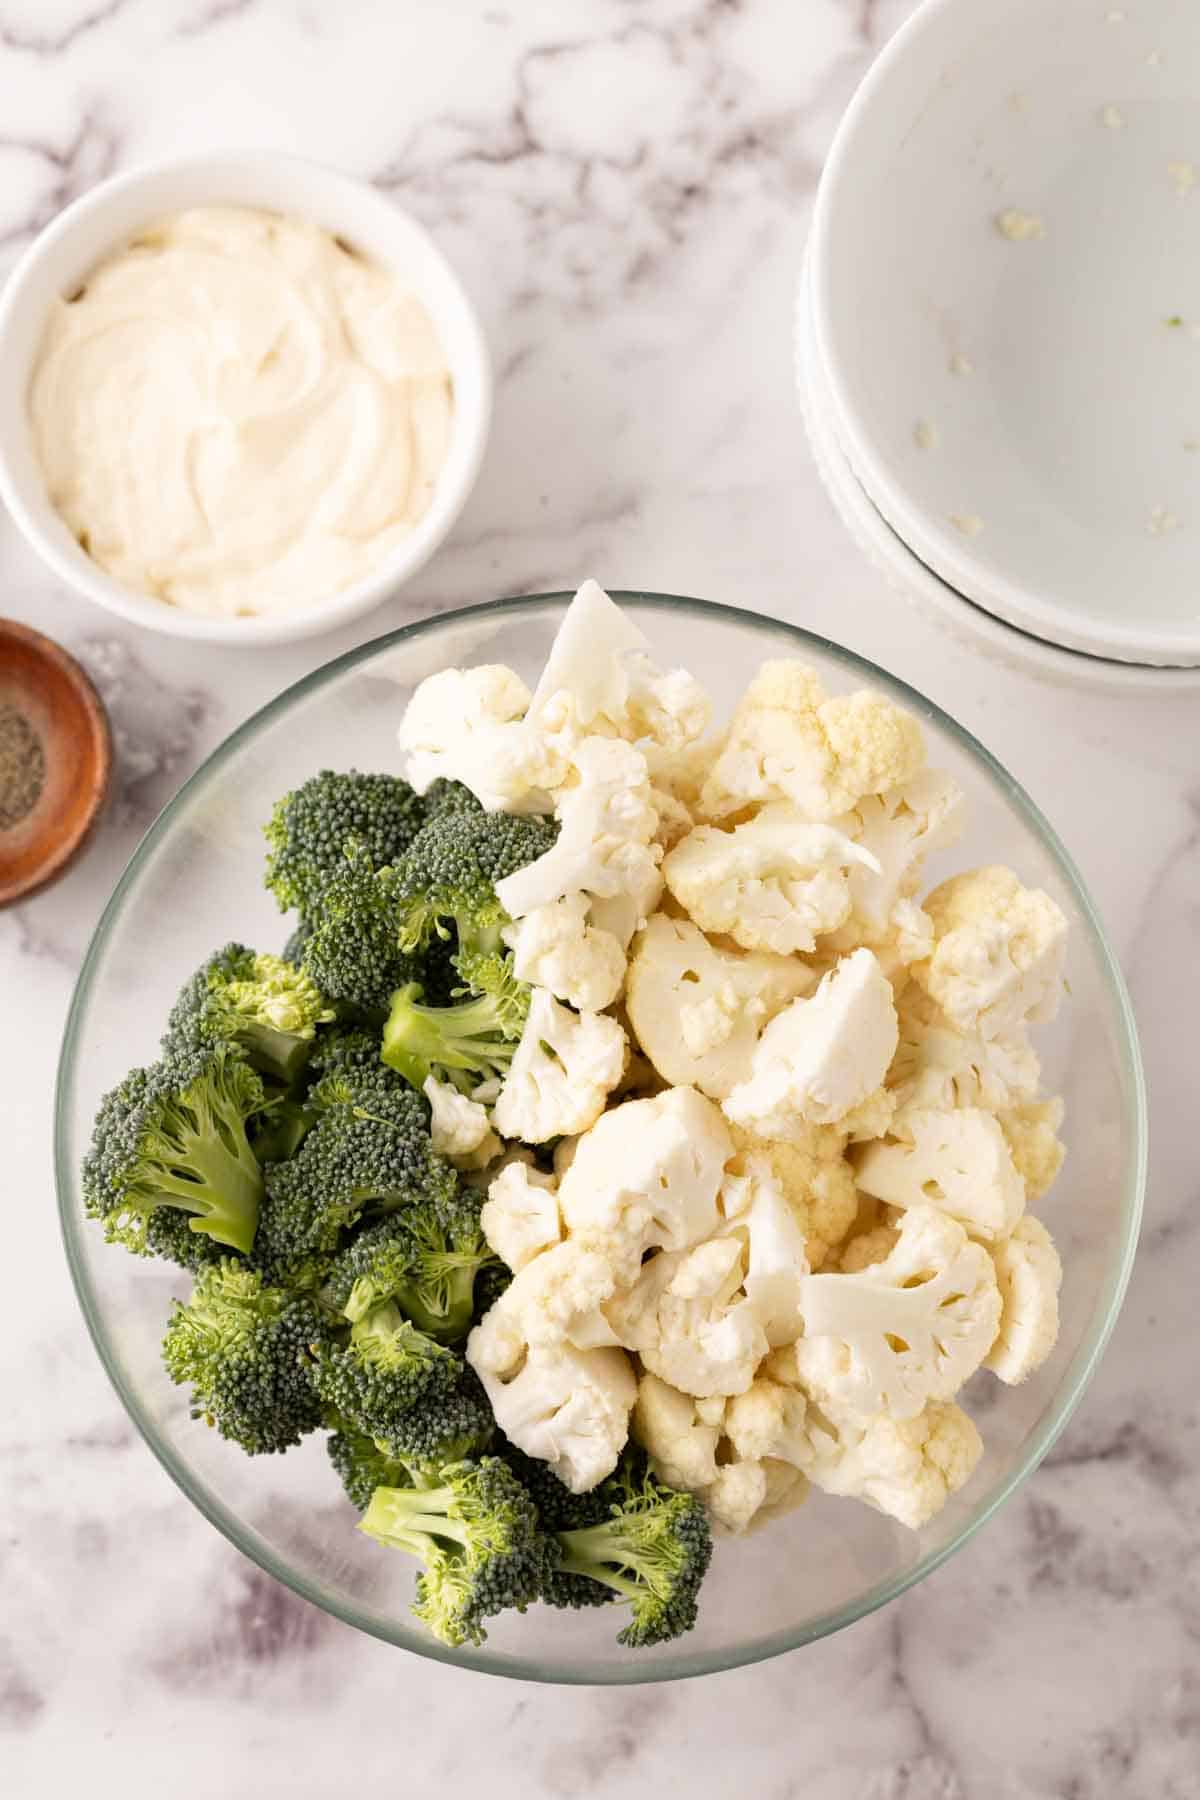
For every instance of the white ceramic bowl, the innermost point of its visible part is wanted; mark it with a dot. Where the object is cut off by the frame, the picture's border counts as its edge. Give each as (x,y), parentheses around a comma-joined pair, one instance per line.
(916,583)
(99,222)
(1034,389)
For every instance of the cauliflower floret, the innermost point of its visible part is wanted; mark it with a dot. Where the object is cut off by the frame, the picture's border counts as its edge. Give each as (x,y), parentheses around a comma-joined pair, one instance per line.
(907,939)
(816,1178)
(938,1067)
(1032,1133)
(868,1248)
(789,741)
(605,844)
(674,819)
(957,1161)
(646,1177)
(557,1298)
(599,677)
(520,1217)
(459,1126)
(562,1072)
(899,828)
(909,1329)
(907,1468)
(688,1318)
(822,1057)
(697,1010)
(775,882)
(555,947)
(998,955)
(737,1496)
(468,725)
(668,1426)
(776,1257)
(1030,1275)
(569,1408)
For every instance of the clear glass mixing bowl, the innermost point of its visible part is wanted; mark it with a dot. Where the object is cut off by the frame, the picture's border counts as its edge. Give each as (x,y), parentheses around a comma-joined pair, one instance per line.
(196,881)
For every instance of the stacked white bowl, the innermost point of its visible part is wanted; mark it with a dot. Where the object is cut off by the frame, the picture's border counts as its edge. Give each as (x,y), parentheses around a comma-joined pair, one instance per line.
(998,334)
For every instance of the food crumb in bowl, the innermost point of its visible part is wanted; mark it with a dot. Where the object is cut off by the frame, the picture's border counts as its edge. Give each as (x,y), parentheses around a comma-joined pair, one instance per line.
(1112,117)
(1114,16)
(970,524)
(1019,227)
(1161,520)
(961,364)
(1183,177)
(925,435)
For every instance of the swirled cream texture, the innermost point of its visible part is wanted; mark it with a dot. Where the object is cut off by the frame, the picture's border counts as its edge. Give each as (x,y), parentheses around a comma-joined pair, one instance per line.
(240,415)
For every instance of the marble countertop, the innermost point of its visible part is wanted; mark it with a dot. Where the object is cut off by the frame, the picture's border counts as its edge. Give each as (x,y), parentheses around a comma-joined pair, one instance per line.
(625,185)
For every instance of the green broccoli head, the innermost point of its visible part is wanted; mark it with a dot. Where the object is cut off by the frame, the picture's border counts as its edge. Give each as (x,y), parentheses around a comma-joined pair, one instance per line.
(425,1258)
(265,1005)
(449,873)
(386,1368)
(314,828)
(175,1135)
(558,1510)
(245,1349)
(361,1465)
(477,1538)
(652,1551)
(369,1151)
(353,951)
(352,1051)
(293,950)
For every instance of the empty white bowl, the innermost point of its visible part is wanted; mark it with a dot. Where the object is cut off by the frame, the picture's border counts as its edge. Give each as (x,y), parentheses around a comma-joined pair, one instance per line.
(916,583)
(79,238)
(1005,266)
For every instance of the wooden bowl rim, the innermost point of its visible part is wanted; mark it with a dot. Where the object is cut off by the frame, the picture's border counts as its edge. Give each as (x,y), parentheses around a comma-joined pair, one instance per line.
(63,849)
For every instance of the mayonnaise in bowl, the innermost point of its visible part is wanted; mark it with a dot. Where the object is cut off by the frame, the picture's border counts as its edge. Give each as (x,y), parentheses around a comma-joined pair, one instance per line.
(239,414)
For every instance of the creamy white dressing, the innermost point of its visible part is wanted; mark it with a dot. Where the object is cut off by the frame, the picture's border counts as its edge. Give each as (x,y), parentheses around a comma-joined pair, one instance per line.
(240,415)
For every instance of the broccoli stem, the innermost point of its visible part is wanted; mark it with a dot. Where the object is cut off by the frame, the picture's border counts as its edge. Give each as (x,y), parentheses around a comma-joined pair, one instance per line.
(420,1039)
(225,1199)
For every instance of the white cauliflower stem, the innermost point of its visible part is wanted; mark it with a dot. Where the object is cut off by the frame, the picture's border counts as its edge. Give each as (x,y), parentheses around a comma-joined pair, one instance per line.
(562,1072)
(1030,1274)
(468,725)
(958,1161)
(775,882)
(555,947)
(903,1331)
(698,1010)
(820,1058)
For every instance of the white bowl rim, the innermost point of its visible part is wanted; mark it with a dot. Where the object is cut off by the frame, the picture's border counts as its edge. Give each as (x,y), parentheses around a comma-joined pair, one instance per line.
(927,591)
(472,419)
(945,553)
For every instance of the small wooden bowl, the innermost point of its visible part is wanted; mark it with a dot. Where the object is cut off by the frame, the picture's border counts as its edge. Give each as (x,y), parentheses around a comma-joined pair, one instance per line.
(51,690)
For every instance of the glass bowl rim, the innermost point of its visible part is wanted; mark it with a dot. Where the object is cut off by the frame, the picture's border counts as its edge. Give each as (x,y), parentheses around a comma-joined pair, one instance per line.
(682,1665)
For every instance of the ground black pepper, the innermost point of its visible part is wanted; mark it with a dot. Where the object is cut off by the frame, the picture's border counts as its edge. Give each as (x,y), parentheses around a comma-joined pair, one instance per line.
(22,766)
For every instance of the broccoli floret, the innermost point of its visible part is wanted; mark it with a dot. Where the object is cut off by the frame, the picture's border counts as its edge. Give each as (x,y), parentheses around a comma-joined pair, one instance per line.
(314,828)
(369,1150)
(174,1135)
(293,950)
(245,1349)
(560,1510)
(425,1258)
(473,1038)
(282,1129)
(443,796)
(264,1005)
(442,1428)
(352,1051)
(353,953)
(652,1550)
(478,1540)
(362,1466)
(450,870)
(386,1368)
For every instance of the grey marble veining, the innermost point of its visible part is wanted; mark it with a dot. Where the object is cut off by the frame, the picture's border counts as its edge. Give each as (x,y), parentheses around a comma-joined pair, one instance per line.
(625,184)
